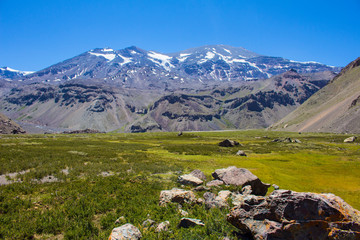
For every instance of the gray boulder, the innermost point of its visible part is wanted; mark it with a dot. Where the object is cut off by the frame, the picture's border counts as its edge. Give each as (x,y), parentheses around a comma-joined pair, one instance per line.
(199,174)
(189,179)
(292,215)
(219,201)
(176,195)
(190,222)
(241,177)
(124,232)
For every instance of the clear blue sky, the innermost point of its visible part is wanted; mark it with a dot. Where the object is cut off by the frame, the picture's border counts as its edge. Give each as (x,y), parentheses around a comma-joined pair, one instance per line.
(35,34)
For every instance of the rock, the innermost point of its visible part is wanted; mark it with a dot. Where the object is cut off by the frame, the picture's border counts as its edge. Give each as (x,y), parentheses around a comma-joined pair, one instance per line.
(292,215)
(220,201)
(276,187)
(350,139)
(189,179)
(190,222)
(162,227)
(241,153)
(200,201)
(201,188)
(127,231)
(296,140)
(247,190)
(241,177)
(286,140)
(120,220)
(199,174)
(215,183)
(180,133)
(183,213)
(176,195)
(148,223)
(228,143)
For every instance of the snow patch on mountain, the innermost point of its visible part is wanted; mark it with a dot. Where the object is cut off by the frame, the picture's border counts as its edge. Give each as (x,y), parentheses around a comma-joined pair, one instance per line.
(108,56)
(161,59)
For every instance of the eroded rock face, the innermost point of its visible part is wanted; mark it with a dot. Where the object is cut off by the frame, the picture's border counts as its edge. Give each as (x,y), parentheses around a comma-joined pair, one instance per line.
(124,232)
(292,215)
(241,177)
(176,195)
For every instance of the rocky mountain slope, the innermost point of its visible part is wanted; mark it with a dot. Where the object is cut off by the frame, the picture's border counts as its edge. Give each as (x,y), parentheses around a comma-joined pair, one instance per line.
(7,126)
(133,67)
(335,108)
(89,104)
(9,74)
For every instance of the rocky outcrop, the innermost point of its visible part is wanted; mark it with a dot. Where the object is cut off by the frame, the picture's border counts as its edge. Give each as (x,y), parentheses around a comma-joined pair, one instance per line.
(7,126)
(293,215)
(241,177)
(176,195)
(125,232)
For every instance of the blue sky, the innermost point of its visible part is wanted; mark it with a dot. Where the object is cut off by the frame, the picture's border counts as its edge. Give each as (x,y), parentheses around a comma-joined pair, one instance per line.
(35,34)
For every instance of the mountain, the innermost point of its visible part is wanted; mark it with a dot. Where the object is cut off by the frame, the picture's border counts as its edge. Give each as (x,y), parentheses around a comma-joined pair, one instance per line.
(335,108)
(133,67)
(81,104)
(7,126)
(9,74)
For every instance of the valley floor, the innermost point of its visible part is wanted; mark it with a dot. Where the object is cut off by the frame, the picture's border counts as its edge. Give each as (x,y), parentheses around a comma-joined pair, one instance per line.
(77,186)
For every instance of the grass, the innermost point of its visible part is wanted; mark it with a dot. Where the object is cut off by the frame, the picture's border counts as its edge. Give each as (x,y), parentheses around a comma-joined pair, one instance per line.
(85,205)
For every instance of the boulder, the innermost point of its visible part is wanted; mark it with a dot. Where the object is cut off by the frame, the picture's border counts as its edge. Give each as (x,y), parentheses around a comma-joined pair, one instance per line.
(176,195)
(350,139)
(241,177)
(241,153)
(162,227)
(215,183)
(219,201)
(127,231)
(199,174)
(228,143)
(201,188)
(292,215)
(189,179)
(190,222)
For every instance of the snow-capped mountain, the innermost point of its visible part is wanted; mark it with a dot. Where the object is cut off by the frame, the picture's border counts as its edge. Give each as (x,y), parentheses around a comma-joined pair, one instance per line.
(135,67)
(10,74)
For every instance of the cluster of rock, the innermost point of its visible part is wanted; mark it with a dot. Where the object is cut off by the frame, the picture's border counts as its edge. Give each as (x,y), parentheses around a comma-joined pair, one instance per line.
(82,131)
(284,214)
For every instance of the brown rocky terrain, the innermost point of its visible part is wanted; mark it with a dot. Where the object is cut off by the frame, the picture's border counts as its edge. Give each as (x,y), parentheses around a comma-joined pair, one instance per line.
(335,108)
(8,126)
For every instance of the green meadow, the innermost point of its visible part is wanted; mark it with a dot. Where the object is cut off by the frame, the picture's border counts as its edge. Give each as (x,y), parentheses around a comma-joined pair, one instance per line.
(101,177)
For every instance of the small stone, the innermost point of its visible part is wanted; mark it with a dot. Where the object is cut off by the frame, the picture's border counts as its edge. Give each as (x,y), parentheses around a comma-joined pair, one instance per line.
(127,231)
(215,183)
(241,153)
(190,222)
(200,188)
(183,213)
(162,227)
(148,223)
(247,190)
(276,187)
(176,195)
(350,139)
(120,220)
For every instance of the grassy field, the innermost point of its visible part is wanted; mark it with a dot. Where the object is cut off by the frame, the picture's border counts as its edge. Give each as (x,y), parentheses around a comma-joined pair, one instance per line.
(102,177)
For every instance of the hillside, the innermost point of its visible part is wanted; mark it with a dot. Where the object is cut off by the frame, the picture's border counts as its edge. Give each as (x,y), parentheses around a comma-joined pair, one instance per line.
(335,108)
(7,126)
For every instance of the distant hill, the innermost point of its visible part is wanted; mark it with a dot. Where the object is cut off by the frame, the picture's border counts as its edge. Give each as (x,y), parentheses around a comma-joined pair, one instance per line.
(335,108)
(7,126)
